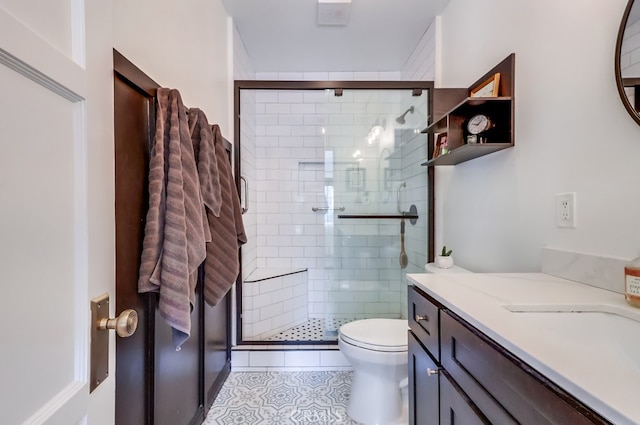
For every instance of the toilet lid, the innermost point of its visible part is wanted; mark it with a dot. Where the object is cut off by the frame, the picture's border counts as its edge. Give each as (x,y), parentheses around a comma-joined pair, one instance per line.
(377,334)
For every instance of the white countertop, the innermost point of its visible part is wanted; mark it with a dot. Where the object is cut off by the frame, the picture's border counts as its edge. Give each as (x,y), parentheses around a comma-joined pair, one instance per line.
(580,352)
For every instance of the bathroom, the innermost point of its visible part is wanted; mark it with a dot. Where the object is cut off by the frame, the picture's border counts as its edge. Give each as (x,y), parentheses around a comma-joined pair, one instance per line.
(496,212)
(493,204)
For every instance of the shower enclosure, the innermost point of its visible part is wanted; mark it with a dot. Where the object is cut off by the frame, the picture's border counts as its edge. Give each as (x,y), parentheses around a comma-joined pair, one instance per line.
(336,204)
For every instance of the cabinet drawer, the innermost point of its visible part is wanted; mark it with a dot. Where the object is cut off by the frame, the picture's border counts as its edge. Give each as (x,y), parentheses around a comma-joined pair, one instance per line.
(424,316)
(488,373)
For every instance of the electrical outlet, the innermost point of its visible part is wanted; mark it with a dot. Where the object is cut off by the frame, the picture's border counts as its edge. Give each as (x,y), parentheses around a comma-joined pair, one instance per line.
(566,210)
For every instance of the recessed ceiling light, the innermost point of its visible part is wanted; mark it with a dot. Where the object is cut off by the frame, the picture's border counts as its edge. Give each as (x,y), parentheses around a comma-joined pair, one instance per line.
(334,12)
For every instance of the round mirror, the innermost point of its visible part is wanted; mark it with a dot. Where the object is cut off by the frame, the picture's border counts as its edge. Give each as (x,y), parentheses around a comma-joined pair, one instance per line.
(628,59)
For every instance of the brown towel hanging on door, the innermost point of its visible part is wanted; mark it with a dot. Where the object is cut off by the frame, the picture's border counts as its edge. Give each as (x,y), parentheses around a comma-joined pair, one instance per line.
(222,264)
(205,154)
(174,241)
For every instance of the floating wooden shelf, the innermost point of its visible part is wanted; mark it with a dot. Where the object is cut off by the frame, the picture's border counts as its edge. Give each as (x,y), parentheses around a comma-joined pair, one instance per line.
(454,122)
(467,152)
(469,106)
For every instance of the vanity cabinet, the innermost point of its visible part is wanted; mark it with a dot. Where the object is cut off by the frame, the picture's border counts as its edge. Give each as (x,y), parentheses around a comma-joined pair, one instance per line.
(453,122)
(434,397)
(474,379)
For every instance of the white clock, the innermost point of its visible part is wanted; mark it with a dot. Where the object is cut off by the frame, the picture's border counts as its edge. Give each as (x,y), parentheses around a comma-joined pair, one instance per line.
(479,123)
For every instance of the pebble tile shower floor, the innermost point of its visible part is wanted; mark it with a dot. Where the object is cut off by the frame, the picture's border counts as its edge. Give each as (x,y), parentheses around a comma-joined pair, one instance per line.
(312,330)
(283,398)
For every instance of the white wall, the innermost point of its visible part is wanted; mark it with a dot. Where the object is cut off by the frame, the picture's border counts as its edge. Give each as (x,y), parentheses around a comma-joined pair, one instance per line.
(572,134)
(182,45)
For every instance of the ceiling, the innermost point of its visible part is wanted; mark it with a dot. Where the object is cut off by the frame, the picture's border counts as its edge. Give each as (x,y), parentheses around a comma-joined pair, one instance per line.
(283,36)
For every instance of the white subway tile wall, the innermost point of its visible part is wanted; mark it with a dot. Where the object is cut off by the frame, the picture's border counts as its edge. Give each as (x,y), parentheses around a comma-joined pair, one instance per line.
(311,152)
(289,358)
(421,65)
(273,305)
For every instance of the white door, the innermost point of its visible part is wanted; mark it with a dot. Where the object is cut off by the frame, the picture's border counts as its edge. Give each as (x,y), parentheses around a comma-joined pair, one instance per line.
(56,208)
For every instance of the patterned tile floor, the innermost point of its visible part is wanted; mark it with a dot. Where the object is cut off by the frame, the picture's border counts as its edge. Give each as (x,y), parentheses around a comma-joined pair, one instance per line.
(283,398)
(312,330)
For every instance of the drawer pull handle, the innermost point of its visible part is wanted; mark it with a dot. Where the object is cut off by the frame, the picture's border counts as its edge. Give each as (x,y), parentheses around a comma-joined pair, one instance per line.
(419,318)
(431,372)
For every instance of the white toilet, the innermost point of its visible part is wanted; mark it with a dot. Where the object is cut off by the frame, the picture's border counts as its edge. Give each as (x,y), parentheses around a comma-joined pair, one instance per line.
(377,350)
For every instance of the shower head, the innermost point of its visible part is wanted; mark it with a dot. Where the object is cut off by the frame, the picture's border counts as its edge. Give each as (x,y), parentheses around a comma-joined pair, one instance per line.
(400,119)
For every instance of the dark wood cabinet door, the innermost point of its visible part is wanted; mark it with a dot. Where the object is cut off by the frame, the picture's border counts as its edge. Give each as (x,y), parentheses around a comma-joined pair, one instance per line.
(423,386)
(455,407)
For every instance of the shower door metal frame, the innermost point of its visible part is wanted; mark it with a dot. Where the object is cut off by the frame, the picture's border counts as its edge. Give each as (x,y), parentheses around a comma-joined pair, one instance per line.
(239,85)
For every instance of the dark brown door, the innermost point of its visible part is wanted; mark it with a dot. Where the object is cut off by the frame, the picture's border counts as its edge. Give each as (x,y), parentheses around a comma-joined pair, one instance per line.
(134,107)
(155,384)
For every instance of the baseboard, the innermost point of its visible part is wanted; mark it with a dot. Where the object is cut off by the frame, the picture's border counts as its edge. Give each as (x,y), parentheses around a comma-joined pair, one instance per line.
(217,385)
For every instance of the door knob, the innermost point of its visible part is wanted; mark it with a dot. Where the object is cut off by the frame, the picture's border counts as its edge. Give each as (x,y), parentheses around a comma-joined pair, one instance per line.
(125,324)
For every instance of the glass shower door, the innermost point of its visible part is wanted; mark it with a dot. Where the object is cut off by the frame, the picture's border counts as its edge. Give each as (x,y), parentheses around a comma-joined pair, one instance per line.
(371,176)
(330,177)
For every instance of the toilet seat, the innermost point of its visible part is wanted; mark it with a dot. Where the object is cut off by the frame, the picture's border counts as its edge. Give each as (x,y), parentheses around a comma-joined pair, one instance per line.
(387,335)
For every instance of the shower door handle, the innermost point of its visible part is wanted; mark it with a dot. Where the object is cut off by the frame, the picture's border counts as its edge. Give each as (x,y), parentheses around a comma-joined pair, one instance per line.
(246,195)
